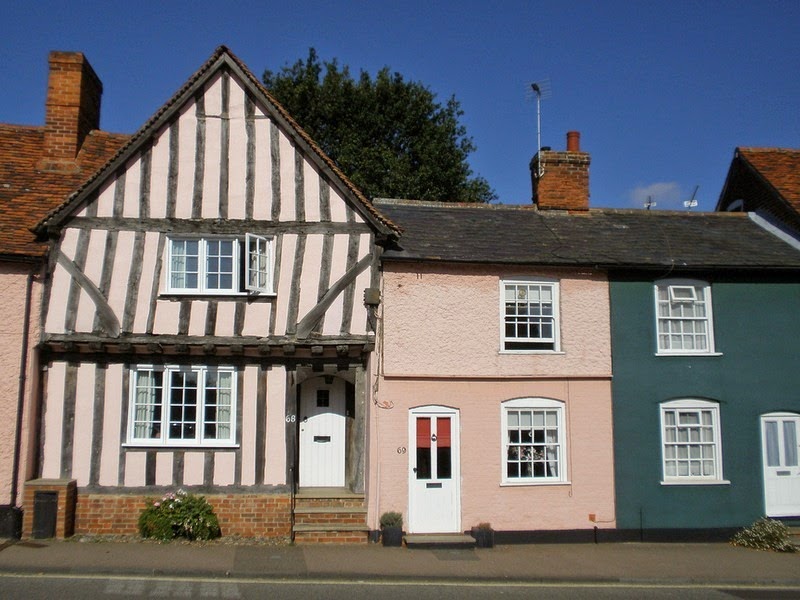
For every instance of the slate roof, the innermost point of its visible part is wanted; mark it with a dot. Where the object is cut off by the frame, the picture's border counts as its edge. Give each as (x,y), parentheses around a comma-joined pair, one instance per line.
(780,167)
(606,238)
(221,56)
(27,194)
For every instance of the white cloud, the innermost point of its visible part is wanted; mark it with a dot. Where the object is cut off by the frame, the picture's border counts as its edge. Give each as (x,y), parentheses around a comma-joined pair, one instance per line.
(667,195)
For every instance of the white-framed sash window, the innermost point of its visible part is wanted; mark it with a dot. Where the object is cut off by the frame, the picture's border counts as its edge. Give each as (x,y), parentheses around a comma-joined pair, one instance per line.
(691,442)
(684,323)
(533,445)
(529,315)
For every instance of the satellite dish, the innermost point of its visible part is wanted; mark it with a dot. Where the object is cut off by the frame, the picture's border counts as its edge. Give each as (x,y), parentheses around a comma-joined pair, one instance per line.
(691,202)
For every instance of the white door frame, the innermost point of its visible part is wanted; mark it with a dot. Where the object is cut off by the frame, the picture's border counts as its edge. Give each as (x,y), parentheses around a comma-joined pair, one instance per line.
(447,500)
(781,481)
(322,431)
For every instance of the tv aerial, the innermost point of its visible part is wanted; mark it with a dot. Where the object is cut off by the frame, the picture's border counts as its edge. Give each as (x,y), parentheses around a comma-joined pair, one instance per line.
(691,202)
(542,90)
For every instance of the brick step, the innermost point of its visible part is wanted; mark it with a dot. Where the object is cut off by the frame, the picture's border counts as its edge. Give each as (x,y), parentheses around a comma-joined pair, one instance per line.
(331,534)
(330,515)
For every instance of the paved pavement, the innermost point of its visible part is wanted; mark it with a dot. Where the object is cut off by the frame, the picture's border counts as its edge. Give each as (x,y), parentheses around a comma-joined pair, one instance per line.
(610,562)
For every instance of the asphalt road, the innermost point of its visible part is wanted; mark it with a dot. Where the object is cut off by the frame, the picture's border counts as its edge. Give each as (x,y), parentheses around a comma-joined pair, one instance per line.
(68,587)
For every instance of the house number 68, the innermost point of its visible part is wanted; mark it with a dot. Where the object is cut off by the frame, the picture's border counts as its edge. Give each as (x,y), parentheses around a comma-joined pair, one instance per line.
(291,418)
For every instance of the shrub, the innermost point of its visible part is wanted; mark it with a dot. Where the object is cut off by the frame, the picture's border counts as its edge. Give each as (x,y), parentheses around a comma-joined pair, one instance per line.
(391,519)
(765,534)
(179,515)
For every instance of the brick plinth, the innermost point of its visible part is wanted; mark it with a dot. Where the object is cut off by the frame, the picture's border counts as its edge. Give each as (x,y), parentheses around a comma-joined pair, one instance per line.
(65,519)
(243,515)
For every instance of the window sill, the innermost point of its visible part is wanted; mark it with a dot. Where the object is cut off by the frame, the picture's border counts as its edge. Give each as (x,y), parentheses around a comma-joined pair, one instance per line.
(552,352)
(685,354)
(179,446)
(204,295)
(690,481)
(533,483)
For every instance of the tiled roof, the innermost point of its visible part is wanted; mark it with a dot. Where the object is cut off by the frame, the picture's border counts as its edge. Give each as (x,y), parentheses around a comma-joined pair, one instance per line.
(598,237)
(780,167)
(223,54)
(27,194)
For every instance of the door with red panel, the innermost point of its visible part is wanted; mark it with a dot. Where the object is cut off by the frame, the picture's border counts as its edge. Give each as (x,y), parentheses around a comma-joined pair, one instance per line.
(434,504)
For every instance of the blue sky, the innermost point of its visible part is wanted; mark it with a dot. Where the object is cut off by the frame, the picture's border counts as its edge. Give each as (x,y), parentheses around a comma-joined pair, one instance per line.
(662,92)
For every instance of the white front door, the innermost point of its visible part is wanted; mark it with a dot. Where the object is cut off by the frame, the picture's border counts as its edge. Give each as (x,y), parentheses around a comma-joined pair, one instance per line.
(434,503)
(779,435)
(322,433)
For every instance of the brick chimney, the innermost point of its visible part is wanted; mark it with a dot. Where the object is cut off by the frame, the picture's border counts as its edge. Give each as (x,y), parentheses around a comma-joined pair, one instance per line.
(561,179)
(73,110)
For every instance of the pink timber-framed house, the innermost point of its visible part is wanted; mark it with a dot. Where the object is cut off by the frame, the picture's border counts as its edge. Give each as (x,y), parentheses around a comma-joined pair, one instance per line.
(208,323)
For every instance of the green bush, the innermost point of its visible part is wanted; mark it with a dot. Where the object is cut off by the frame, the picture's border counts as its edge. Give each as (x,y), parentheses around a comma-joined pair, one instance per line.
(179,515)
(391,519)
(765,534)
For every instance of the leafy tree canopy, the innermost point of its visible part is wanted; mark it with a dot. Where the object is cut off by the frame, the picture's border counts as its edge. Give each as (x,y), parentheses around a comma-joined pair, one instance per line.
(388,135)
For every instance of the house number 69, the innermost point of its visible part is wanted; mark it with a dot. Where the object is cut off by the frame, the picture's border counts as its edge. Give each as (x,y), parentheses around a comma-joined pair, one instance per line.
(401,450)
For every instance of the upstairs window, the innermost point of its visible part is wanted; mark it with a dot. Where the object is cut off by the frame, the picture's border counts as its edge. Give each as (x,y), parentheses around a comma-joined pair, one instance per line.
(683,317)
(530,315)
(219,265)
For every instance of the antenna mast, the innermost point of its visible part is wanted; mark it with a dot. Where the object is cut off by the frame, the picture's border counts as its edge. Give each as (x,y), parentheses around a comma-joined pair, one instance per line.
(542,90)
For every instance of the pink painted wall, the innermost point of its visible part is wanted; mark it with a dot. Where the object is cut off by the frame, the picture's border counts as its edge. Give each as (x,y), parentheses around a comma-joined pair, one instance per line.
(441,341)
(445,321)
(13,282)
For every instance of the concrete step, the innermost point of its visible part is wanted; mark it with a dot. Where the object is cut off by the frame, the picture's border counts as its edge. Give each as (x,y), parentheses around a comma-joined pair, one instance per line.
(440,541)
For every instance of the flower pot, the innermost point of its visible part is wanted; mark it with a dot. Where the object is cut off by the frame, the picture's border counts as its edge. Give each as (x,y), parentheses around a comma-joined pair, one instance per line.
(484,538)
(392,536)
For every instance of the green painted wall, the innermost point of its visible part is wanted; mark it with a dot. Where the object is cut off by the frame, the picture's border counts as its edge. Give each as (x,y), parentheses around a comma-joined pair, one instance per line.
(757,330)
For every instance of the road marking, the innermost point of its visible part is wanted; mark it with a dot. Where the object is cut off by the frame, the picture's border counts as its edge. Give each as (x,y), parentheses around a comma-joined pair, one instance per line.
(128,583)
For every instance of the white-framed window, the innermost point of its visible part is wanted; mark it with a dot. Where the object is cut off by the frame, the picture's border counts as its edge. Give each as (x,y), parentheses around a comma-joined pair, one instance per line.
(533,445)
(691,442)
(182,406)
(219,265)
(684,323)
(529,311)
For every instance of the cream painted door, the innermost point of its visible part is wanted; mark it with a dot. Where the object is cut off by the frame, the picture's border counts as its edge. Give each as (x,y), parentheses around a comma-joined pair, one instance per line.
(434,504)
(322,433)
(779,435)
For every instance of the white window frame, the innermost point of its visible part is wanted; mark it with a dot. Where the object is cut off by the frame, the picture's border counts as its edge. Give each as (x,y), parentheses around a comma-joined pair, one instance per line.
(533,405)
(681,293)
(165,397)
(554,340)
(253,246)
(690,448)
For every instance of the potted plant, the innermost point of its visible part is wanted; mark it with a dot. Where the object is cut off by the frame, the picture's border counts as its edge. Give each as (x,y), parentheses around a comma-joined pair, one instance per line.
(392,529)
(484,535)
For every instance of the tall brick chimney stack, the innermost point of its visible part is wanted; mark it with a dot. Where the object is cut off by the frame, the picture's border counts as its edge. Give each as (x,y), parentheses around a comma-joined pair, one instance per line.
(73,110)
(561,179)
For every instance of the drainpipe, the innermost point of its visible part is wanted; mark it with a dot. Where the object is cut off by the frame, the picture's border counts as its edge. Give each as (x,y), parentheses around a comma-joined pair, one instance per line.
(23,367)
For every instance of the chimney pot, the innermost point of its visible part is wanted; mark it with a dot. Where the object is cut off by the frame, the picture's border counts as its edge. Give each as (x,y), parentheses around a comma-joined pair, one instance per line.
(573,141)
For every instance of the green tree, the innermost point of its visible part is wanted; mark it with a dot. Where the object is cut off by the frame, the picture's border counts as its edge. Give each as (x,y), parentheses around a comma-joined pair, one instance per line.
(388,135)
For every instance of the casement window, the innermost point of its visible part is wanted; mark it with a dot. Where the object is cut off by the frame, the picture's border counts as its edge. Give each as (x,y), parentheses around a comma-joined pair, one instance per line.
(219,265)
(533,441)
(529,312)
(691,445)
(683,317)
(182,406)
